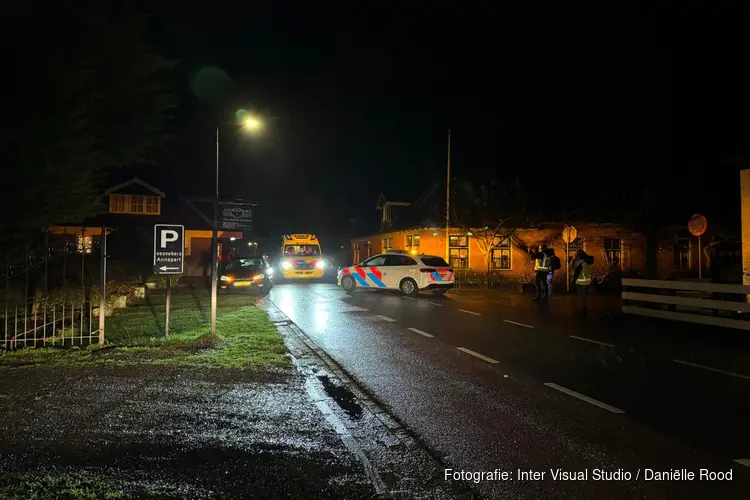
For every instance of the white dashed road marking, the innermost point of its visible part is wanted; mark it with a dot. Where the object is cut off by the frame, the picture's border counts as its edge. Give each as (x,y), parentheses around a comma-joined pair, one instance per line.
(417,330)
(476,354)
(357,309)
(384,318)
(519,324)
(583,397)
(743,461)
(592,341)
(694,365)
(434,304)
(470,312)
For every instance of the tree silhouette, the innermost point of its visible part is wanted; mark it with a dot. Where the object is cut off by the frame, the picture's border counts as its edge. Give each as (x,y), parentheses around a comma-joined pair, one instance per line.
(93,97)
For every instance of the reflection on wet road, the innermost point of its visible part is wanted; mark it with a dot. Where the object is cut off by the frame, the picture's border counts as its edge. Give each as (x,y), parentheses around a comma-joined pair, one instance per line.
(490,387)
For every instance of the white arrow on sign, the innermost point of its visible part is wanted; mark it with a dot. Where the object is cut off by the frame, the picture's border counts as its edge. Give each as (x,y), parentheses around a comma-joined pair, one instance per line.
(165,268)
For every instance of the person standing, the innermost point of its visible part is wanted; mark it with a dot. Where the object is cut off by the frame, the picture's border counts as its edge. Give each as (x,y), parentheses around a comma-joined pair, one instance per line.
(541,269)
(581,266)
(553,266)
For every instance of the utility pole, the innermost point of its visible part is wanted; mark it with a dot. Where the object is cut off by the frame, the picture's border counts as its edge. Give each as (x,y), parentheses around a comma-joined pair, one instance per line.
(448,203)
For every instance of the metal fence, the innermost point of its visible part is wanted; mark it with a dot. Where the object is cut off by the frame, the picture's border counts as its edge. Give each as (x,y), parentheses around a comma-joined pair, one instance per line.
(44,325)
(51,291)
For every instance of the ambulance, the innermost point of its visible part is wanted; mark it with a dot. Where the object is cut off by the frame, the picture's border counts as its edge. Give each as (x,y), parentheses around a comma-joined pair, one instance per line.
(301,257)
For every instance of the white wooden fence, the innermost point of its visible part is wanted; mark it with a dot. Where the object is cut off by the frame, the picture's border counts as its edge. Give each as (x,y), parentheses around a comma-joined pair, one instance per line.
(693,302)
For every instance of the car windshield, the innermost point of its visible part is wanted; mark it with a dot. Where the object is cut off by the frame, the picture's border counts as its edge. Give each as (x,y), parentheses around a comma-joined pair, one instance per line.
(435,261)
(243,265)
(301,251)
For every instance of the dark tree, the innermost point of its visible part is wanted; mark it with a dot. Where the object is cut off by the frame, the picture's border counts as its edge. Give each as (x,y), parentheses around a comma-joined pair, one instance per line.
(86,94)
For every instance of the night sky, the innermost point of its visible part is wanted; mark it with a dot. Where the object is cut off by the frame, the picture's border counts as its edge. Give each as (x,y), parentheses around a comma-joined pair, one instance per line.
(361,101)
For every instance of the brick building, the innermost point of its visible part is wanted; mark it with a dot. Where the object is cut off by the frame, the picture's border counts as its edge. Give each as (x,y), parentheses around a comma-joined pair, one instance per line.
(613,247)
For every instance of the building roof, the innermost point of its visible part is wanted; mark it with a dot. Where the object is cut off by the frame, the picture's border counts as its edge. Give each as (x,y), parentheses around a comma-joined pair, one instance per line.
(134,181)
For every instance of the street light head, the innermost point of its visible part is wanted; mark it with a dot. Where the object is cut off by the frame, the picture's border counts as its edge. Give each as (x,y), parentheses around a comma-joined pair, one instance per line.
(252,123)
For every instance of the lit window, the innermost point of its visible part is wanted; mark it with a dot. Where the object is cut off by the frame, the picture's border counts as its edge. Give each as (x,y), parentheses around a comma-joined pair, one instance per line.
(412,242)
(459,251)
(84,244)
(116,204)
(501,254)
(136,204)
(613,251)
(152,205)
(387,244)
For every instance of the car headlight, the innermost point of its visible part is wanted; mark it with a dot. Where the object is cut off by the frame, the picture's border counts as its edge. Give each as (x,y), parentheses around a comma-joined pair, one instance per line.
(257,277)
(269,271)
(228,279)
(320,264)
(286,265)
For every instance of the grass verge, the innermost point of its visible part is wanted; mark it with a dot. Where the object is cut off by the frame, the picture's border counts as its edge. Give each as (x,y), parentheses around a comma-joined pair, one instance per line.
(245,337)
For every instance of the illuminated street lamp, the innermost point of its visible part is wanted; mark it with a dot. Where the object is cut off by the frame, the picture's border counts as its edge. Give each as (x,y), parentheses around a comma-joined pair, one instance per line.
(253,124)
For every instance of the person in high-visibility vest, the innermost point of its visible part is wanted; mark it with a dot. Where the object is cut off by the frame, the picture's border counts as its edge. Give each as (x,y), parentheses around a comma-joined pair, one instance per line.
(581,267)
(542,263)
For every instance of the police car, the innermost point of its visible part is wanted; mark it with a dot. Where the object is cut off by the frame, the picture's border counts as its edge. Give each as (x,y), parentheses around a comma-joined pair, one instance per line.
(399,270)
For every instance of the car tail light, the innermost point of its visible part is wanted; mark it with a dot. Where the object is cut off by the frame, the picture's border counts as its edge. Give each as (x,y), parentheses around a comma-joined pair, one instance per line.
(427,270)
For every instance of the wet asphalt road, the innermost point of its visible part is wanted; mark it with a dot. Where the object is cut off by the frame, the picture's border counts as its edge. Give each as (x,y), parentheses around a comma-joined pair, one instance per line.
(490,387)
(211,434)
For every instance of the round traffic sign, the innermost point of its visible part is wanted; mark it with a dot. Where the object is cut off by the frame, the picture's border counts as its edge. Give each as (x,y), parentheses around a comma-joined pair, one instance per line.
(569,235)
(697,224)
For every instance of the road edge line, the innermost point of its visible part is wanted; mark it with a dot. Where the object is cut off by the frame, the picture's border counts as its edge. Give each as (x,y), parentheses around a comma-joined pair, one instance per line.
(519,324)
(591,340)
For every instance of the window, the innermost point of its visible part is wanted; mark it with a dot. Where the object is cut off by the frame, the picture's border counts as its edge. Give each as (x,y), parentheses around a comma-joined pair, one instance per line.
(399,260)
(378,260)
(387,244)
(116,204)
(301,251)
(613,250)
(412,242)
(501,254)
(369,249)
(152,205)
(682,253)
(85,244)
(355,251)
(136,204)
(459,251)
(434,262)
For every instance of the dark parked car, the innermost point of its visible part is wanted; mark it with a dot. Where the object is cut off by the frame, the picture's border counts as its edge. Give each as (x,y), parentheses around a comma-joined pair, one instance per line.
(247,273)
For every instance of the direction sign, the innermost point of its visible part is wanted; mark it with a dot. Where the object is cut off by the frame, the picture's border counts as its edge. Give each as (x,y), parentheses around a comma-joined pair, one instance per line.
(169,249)
(236,217)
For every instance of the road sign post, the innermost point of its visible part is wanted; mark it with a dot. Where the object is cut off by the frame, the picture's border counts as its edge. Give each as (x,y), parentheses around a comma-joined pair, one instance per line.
(169,258)
(570,233)
(697,225)
(169,300)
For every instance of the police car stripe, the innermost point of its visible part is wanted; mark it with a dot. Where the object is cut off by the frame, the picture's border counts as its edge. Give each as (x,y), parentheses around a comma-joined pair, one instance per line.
(360,280)
(376,280)
(436,276)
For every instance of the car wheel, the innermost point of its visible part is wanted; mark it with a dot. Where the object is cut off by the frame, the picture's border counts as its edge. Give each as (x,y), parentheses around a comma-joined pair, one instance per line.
(348,284)
(440,291)
(409,287)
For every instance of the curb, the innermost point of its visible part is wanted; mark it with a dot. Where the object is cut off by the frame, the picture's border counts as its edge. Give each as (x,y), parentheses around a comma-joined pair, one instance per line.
(393,435)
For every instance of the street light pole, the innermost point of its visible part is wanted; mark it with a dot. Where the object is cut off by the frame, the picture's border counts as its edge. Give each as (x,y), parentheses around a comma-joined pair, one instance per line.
(448,203)
(215,243)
